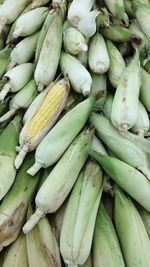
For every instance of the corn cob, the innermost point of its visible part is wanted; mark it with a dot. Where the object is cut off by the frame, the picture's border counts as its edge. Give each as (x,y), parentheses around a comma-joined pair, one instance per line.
(88,263)
(98,57)
(42,247)
(142,123)
(99,87)
(24,51)
(80,215)
(38,3)
(16,255)
(35,19)
(125,150)
(125,102)
(144,90)
(4,59)
(133,238)
(8,154)
(116,7)
(21,100)
(16,79)
(42,118)
(58,8)
(117,64)
(117,33)
(145,218)
(79,77)
(126,177)
(61,179)
(74,41)
(56,220)
(108,106)
(59,138)
(14,205)
(50,53)
(142,10)
(10,10)
(106,249)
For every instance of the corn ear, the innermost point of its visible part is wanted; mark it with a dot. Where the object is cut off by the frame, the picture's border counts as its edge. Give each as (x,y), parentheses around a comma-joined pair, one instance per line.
(59,137)
(14,205)
(79,77)
(129,8)
(142,123)
(16,79)
(83,58)
(61,179)
(16,254)
(145,215)
(42,247)
(98,57)
(99,86)
(103,19)
(8,154)
(125,150)
(133,238)
(35,19)
(24,51)
(78,229)
(108,106)
(106,248)
(10,10)
(116,7)
(117,33)
(98,146)
(44,116)
(117,64)
(21,100)
(4,59)
(145,90)
(74,41)
(38,3)
(125,102)
(48,61)
(126,177)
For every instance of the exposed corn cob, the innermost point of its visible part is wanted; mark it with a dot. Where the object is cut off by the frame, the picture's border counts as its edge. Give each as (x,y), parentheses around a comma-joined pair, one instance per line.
(16,255)
(126,177)
(117,64)
(43,116)
(106,249)
(16,79)
(61,179)
(42,246)
(10,10)
(24,50)
(30,22)
(116,7)
(108,106)
(50,53)
(133,238)
(80,215)
(4,59)
(59,138)
(8,142)
(98,57)
(78,75)
(21,100)
(142,10)
(125,149)
(117,33)
(38,3)
(145,90)
(145,215)
(56,220)
(142,123)
(125,102)
(88,263)
(74,41)
(14,205)
(99,87)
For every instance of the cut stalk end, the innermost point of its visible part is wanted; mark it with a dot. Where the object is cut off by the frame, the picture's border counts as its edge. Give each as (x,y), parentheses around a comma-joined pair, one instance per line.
(5,91)
(83,47)
(34,169)
(31,223)
(20,157)
(7,115)
(40,87)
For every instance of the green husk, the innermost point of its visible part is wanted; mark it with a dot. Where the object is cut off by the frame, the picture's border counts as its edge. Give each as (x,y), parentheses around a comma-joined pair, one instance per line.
(145,89)
(4,60)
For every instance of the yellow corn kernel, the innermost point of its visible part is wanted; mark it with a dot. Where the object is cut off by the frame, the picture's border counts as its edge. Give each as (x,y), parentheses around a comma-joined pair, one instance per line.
(47,110)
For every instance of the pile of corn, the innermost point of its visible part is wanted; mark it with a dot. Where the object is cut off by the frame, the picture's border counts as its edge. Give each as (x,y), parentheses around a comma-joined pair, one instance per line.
(74,133)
